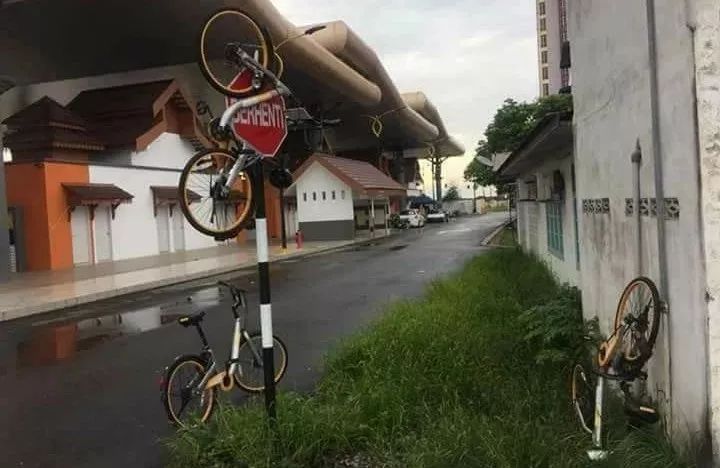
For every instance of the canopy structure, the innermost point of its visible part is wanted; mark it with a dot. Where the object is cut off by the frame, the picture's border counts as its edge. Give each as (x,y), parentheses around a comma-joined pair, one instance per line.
(333,72)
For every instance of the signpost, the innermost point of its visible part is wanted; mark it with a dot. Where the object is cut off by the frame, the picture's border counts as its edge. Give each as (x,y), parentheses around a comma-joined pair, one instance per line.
(263,128)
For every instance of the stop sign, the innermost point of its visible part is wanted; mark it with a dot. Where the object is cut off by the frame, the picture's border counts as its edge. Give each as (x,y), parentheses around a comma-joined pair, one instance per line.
(262,126)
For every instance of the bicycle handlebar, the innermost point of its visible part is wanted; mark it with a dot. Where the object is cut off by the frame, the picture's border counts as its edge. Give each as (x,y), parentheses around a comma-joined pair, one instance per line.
(239,295)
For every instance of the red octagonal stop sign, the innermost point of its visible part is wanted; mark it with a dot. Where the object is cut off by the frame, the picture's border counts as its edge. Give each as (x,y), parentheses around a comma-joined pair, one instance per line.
(262,126)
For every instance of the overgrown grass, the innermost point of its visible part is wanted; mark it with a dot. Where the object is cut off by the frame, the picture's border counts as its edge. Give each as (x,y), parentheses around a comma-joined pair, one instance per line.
(505,238)
(471,375)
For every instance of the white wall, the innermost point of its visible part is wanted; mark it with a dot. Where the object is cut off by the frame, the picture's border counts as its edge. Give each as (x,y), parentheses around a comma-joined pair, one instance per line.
(532,221)
(168,151)
(707,45)
(134,229)
(612,111)
(317,179)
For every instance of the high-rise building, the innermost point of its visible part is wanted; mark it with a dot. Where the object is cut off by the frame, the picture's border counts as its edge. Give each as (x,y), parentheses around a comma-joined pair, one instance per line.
(553,71)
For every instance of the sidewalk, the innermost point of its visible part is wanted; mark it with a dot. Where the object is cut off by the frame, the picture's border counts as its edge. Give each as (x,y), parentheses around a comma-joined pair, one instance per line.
(37,292)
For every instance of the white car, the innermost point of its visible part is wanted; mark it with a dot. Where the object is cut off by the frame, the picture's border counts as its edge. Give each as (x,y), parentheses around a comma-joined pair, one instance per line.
(437,216)
(413,218)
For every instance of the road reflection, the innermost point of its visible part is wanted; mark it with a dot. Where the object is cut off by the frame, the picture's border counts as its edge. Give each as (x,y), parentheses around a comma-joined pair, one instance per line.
(48,343)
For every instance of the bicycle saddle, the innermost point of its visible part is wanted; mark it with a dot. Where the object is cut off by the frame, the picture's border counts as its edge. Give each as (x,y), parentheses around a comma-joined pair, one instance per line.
(192,319)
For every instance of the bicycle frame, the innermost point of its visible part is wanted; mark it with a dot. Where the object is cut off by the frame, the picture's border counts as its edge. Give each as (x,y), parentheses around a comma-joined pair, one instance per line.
(224,379)
(280,90)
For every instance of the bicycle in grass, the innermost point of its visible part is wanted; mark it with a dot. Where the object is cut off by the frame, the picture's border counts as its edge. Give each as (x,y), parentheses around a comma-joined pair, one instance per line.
(620,358)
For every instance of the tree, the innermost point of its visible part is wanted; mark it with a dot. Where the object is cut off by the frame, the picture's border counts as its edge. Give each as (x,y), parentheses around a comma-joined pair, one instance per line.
(479,173)
(512,124)
(451,194)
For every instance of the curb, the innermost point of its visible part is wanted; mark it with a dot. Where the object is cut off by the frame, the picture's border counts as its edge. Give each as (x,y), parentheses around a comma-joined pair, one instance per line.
(486,241)
(23,312)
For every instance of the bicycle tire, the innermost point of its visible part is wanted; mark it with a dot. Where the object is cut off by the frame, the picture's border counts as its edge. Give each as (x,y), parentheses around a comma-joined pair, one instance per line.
(170,373)
(259,33)
(583,397)
(279,370)
(654,322)
(185,191)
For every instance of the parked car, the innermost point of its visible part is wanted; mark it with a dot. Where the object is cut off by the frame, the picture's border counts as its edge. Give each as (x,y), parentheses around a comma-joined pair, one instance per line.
(437,216)
(413,217)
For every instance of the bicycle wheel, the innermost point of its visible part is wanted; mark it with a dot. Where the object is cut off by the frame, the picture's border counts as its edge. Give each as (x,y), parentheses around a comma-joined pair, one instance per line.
(223,31)
(182,404)
(250,375)
(583,397)
(639,310)
(205,201)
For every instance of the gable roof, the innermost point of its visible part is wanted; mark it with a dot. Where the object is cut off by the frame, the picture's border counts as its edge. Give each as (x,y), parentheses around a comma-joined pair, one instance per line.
(360,176)
(45,124)
(123,116)
(45,111)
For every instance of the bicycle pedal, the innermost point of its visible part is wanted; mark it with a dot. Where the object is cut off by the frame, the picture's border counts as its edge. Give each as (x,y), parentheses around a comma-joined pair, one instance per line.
(642,414)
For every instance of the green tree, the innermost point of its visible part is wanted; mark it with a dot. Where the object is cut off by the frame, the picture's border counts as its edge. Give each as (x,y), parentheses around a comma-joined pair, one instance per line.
(479,173)
(451,194)
(512,124)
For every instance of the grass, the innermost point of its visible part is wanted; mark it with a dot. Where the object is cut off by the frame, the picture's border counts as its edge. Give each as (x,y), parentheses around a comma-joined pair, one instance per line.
(505,238)
(467,376)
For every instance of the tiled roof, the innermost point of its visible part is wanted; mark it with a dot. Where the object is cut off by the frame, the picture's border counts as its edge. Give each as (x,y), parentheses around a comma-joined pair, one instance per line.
(109,102)
(359,175)
(121,114)
(43,112)
(46,124)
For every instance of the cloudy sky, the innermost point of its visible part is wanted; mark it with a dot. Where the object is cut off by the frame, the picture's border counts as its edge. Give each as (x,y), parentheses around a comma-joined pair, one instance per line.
(466,55)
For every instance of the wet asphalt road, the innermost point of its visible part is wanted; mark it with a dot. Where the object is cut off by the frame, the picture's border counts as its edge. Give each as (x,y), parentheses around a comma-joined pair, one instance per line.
(80,388)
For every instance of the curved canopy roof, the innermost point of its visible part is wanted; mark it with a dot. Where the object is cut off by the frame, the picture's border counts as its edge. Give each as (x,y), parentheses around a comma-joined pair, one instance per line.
(333,71)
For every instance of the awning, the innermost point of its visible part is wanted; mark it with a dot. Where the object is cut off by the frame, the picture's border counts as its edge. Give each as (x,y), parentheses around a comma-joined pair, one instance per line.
(96,194)
(169,195)
(551,139)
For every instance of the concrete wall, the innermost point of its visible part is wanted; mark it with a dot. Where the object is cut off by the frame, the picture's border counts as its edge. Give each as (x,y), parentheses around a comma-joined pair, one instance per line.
(704,19)
(168,153)
(532,221)
(612,112)
(328,230)
(317,180)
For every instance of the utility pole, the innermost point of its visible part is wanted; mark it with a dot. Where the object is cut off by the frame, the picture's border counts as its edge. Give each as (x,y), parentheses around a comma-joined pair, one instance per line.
(437,162)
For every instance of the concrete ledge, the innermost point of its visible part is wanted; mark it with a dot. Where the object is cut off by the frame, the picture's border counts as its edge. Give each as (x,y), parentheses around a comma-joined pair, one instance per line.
(488,239)
(20,311)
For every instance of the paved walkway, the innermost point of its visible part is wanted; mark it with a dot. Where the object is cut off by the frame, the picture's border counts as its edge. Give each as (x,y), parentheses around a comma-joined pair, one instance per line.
(36,292)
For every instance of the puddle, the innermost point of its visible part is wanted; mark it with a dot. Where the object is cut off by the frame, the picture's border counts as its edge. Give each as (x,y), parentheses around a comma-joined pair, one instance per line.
(49,342)
(398,247)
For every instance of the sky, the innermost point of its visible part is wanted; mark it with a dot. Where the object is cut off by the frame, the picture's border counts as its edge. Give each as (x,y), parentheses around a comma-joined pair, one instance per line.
(467,56)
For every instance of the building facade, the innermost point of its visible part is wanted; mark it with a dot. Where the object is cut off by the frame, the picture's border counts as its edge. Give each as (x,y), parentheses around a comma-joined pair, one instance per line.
(547,219)
(552,31)
(645,84)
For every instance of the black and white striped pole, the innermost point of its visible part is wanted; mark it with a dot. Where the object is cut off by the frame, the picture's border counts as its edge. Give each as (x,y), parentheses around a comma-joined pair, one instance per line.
(263,256)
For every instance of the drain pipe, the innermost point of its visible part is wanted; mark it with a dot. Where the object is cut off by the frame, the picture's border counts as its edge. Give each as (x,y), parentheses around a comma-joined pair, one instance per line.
(636,160)
(659,196)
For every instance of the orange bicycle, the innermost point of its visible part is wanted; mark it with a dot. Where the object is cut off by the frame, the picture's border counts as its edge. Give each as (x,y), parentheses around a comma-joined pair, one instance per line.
(622,358)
